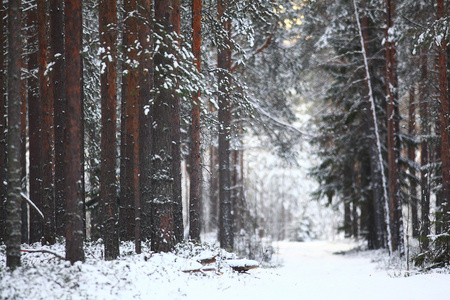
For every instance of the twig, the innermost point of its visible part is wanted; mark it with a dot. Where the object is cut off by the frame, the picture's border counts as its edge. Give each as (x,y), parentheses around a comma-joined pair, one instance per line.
(43,251)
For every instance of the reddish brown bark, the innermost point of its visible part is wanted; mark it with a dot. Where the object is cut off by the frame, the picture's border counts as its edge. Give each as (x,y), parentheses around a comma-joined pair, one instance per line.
(395,205)
(108,78)
(129,215)
(226,236)
(46,128)
(445,146)
(73,136)
(57,93)
(195,207)
(145,115)
(34,125)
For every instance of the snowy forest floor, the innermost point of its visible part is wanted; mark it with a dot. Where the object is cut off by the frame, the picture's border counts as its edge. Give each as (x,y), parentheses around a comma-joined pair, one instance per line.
(308,270)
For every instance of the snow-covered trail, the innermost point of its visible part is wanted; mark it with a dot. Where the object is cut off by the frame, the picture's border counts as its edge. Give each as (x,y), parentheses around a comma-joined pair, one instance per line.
(311,271)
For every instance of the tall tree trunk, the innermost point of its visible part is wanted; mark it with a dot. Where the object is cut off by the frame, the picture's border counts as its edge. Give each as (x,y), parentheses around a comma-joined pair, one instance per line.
(226,236)
(395,204)
(3,125)
(176,136)
(145,114)
(213,184)
(13,215)
(48,204)
(73,141)
(57,88)
(130,208)
(195,207)
(424,151)
(376,216)
(34,125)
(23,150)
(163,227)
(108,186)
(412,161)
(445,146)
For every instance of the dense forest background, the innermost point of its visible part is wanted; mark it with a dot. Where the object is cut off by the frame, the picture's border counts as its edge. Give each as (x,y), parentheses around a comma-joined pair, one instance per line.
(159,121)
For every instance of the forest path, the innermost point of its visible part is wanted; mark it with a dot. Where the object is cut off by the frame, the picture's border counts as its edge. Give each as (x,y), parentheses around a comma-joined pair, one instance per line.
(312,270)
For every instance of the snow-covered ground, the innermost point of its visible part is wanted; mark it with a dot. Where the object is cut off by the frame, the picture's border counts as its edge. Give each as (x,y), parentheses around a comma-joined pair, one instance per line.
(309,270)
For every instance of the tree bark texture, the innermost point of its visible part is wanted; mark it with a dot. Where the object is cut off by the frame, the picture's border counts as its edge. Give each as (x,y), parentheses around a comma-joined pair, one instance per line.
(3,124)
(108,79)
(395,204)
(412,161)
(163,227)
(176,136)
(46,117)
(445,146)
(23,151)
(145,114)
(424,151)
(213,184)
(34,126)
(195,207)
(375,211)
(57,92)
(73,135)
(226,236)
(13,209)
(130,208)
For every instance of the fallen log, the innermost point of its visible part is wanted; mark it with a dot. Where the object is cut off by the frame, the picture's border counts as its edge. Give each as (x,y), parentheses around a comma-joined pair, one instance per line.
(200,270)
(242,265)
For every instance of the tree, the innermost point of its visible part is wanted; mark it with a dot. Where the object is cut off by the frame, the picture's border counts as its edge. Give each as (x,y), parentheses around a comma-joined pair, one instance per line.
(163,227)
(3,124)
(13,212)
(224,64)
(424,150)
(34,127)
(57,93)
(129,198)
(176,136)
(46,116)
(395,203)
(73,136)
(195,168)
(412,161)
(108,186)
(445,143)
(145,114)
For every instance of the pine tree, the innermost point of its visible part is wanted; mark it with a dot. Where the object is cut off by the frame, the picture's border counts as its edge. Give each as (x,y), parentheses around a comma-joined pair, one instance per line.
(163,227)
(57,92)
(13,213)
(108,185)
(129,185)
(195,206)
(73,137)
(224,64)
(145,114)
(47,125)
(3,124)
(34,127)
